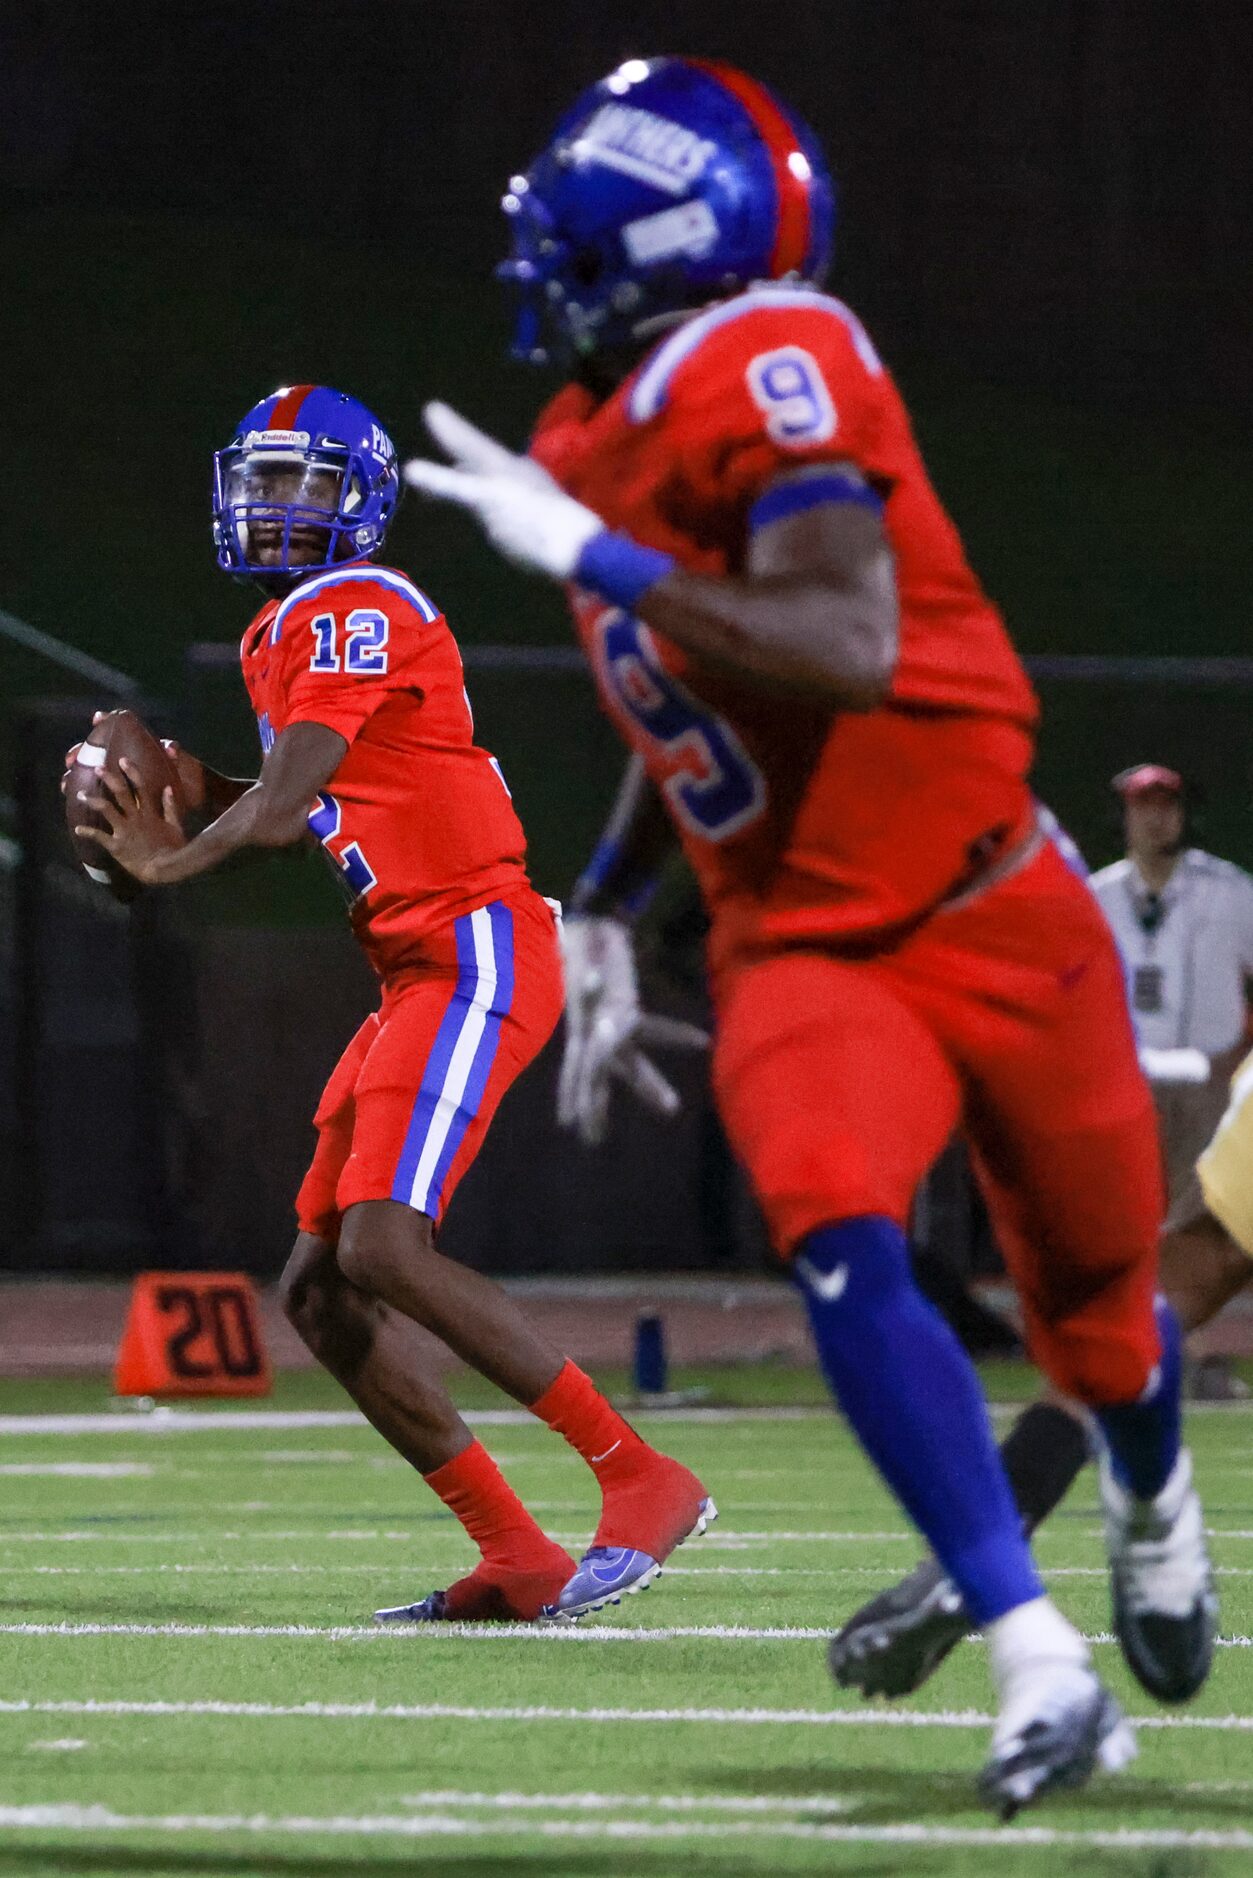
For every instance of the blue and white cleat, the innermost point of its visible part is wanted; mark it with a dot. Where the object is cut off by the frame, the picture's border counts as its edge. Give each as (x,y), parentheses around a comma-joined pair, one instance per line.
(608,1573)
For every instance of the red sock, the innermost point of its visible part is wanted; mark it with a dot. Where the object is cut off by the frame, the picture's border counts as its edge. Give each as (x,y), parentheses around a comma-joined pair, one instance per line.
(522,1569)
(575,1409)
(650,1501)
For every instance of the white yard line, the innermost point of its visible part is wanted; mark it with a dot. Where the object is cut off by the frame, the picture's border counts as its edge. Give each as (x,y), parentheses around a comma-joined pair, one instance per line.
(294,1570)
(630,1802)
(701,1717)
(490,1633)
(431,1825)
(426,1532)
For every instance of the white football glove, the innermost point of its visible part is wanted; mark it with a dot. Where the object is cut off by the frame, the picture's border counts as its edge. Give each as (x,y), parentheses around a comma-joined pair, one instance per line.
(606,1031)
(528,517)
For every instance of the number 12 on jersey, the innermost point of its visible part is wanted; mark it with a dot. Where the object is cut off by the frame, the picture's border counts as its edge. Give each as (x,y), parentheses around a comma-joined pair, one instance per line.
(365,643)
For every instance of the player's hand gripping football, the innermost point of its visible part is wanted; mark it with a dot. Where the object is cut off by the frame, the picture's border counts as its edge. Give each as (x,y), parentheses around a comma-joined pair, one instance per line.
(606,1031)
(523,511)
(138,827)
(191,771)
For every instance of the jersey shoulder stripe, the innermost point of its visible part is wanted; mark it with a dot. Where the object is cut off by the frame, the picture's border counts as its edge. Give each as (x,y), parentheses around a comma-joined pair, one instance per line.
(381,576)
(648,394)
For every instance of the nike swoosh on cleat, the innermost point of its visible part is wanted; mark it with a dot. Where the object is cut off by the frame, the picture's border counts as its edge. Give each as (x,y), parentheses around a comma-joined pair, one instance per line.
(828,1285)
(604,1571)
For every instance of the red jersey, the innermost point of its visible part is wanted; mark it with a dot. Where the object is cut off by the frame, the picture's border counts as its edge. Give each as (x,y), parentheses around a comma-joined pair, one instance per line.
(801,822)
(417,818)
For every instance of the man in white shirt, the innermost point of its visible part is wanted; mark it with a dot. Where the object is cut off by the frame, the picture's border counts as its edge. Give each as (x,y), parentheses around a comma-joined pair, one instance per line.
(1183,920)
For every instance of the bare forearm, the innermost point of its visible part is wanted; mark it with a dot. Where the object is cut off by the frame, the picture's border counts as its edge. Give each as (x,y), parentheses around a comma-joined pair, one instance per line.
(251,821)
(802,634)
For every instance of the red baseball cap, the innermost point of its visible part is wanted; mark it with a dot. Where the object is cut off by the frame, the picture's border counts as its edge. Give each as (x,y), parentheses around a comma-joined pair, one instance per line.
(1143,777)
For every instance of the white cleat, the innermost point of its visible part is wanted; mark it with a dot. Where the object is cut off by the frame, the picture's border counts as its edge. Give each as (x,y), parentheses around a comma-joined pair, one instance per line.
(1058,1724)
(1162,1587)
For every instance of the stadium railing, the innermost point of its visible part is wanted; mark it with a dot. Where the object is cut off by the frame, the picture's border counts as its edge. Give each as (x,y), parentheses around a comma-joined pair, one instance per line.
(79,1173)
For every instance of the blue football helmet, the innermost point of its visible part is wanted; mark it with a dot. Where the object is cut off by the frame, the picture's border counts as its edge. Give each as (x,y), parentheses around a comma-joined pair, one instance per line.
(671,183)
(309,480)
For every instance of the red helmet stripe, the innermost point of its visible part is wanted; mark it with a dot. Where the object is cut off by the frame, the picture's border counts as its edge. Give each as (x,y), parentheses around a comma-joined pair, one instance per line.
(285,412)
(792,236)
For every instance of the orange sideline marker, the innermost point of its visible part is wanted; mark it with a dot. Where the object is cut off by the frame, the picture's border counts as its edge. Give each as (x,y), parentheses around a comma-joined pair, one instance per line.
(192,1333)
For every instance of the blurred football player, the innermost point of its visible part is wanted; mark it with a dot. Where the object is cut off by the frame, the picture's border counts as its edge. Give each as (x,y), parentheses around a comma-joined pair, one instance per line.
(368,743)
(826,707)
(899,1637)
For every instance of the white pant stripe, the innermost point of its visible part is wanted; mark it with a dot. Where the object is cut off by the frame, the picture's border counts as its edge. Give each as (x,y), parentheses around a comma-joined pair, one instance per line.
(460,1063)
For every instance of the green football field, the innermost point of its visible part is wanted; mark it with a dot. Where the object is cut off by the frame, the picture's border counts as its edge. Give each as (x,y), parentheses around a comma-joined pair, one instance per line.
(192,1684)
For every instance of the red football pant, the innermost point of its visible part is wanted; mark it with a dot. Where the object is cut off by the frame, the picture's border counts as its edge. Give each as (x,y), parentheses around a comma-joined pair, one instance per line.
(409,1102)
(841,1080)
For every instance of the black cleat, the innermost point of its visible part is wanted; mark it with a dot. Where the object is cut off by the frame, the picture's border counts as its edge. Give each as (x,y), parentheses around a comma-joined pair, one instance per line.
(893,1643)
(1077,1728)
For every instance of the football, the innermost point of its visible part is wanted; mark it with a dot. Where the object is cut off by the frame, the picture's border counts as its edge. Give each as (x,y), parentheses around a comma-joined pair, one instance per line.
(118,734)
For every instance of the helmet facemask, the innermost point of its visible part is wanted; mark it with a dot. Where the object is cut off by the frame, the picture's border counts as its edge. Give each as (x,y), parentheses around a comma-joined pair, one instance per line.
(576,307)
(282,512)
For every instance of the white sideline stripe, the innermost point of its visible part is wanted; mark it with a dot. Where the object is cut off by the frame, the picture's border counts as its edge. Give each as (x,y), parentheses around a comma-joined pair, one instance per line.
(725,1541)
(79,1470)
(433,1825)
(172,1421)
(168,1421)
(492,1633)
(702,1717)
(373,1571)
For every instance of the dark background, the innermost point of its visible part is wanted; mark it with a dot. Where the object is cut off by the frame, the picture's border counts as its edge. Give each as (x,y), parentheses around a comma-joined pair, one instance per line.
(1046,214)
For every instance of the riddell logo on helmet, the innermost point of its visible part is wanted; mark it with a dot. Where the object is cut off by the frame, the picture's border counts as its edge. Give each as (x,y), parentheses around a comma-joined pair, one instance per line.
(650,148)
(284,439)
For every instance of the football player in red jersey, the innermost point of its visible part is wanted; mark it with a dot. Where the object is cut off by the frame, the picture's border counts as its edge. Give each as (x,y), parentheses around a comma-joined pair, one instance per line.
(818,694)
(356,682)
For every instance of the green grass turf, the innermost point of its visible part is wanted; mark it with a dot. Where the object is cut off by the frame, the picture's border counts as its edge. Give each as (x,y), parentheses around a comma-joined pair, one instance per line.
(315,1526)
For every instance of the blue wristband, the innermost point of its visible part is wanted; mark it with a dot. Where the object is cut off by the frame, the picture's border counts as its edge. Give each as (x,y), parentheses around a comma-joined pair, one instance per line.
(619,569)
